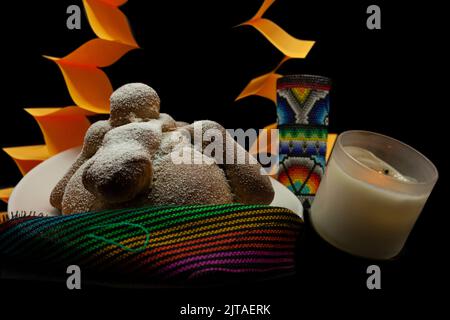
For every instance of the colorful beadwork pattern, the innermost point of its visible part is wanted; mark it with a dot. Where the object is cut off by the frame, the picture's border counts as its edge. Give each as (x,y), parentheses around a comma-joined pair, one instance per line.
(161,245)
(300,141)
(303,111)
(303,99)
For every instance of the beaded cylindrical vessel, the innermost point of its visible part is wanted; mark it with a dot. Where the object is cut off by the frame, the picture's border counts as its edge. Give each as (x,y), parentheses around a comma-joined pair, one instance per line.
(303,105)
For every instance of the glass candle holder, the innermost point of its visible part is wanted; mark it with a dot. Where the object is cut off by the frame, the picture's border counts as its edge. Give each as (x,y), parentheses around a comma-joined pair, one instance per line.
(371,195)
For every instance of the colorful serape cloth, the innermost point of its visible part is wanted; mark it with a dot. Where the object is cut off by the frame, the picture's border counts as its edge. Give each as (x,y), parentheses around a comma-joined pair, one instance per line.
(303,106)
(168,245)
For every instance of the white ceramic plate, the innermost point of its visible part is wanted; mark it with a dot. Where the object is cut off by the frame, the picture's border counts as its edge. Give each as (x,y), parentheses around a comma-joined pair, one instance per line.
(32,193)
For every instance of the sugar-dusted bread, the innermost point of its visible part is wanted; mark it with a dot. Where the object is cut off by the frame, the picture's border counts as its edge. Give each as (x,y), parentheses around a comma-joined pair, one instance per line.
(127,161)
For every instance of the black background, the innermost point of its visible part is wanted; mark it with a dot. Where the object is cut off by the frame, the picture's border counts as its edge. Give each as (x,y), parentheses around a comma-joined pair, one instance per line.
(390,81)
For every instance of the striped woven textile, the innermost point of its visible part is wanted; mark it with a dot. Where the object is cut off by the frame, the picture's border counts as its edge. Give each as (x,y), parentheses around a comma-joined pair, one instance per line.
(161,245)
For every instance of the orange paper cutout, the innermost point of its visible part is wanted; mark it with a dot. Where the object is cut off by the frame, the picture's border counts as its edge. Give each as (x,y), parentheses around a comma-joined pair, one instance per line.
(62,128)
(287,44)
(115,3)
(5,193)
(330,144)
(108,22)
(265,85)
(26,158)
(88,86)
(266,4)
(262,86)
(98,52)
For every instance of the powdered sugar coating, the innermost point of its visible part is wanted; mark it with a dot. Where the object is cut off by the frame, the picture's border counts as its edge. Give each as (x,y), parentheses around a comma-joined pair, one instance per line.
(184,184)
(133,102)
(92,141)
(126,161)
(168,123)
(94,137)
(75,190)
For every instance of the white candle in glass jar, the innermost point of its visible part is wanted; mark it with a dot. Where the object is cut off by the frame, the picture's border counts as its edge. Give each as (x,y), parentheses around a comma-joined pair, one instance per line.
(372,193)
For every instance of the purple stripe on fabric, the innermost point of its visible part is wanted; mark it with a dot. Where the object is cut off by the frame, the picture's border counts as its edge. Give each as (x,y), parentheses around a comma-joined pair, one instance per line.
(210,256)
(226,261)
(237,270)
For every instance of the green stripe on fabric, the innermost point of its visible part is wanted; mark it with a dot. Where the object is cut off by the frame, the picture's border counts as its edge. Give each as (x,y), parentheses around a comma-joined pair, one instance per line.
(88,243)
(212,224)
